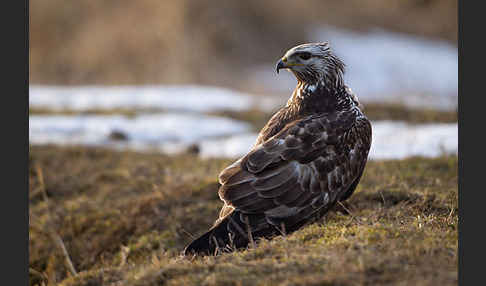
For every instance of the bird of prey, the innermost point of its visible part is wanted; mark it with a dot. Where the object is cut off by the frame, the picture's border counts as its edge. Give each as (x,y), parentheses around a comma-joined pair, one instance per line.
(310,155)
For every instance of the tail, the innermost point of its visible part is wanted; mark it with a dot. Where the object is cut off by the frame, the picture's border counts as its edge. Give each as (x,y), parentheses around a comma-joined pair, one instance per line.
(216,239)
(233,232)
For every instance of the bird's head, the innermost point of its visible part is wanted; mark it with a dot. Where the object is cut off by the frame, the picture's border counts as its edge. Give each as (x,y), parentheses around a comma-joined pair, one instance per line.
(313,62)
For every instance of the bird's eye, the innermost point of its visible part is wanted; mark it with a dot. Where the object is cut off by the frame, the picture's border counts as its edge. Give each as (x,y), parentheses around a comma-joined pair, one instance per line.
(305,56)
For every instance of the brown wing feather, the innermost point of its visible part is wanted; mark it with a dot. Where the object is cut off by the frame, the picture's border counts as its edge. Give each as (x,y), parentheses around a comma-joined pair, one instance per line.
(301,169)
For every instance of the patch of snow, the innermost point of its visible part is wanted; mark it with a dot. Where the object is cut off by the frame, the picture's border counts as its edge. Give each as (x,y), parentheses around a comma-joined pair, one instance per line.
(173,98)
(142,131)
(398,140)
(391,140)
(230,147)
(219,136)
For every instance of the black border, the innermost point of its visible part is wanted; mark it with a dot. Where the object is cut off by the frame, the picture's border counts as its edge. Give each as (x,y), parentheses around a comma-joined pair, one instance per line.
(471,143)
(25,146)
(14,125)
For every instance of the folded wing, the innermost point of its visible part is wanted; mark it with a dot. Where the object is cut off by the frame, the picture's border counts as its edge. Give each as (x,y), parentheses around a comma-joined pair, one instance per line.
(305,167)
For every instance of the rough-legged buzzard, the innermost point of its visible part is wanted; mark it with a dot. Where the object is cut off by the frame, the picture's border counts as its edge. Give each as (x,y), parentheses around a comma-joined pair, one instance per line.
(310,155)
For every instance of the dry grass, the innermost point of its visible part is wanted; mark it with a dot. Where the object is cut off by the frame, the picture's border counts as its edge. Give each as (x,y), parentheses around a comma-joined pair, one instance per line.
(143,41)
(124,217)
(374,111)
(258,118)
(378,111)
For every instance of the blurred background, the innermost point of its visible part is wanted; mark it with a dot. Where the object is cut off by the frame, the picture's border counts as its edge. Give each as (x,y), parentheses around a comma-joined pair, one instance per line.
(198,76)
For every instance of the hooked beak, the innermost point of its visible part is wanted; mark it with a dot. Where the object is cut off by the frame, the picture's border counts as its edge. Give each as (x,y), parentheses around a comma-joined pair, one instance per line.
(284,63)
(281,64)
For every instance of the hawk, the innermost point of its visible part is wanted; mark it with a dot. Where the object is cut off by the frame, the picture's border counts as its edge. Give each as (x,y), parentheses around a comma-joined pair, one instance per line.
(310,155)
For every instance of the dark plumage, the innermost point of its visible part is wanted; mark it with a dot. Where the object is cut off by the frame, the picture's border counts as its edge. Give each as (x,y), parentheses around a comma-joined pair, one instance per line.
(310,155)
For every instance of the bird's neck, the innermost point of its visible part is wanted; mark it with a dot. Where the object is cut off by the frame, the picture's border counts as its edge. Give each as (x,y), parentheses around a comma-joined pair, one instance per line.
(320,96)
